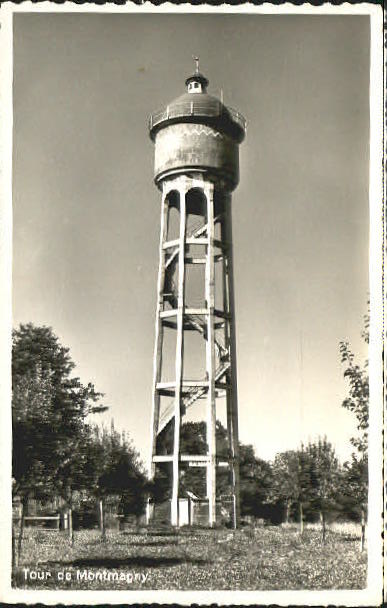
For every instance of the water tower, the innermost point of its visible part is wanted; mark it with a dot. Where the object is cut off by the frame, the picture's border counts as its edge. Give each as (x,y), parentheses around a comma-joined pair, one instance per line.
(196,141)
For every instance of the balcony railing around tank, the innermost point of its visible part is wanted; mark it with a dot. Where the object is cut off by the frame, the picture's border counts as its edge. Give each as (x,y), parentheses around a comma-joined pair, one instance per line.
(196,108)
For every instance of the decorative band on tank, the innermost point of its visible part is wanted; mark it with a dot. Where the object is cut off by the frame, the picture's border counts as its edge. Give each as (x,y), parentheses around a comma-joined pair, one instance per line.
(200,130)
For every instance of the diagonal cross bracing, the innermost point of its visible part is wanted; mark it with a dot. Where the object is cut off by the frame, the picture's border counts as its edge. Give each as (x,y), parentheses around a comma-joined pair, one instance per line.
(194,394)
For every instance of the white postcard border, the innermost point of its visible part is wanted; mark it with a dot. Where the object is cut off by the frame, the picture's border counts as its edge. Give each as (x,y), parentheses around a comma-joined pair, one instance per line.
(373,594)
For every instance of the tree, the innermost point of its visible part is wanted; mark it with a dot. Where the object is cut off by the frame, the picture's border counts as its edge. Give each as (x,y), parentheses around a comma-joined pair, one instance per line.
(358,403)
(324,478)
(256,480)
(285,486)
(33,440)
(49,408)
(353,491)
(112,471)
(303,494)
(32,468)
(358,398)
(292,482)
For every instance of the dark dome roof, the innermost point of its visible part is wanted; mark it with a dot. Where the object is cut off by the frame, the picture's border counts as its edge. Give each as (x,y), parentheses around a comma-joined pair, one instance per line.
(204,99)
(201,108)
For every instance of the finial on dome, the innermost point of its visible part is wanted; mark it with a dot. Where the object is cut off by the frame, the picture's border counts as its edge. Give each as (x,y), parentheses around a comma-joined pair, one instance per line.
(196,60)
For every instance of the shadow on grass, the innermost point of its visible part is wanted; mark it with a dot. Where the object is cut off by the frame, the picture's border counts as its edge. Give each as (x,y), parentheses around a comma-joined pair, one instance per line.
(346,538)
(155,543)
(150,533)
(140,561)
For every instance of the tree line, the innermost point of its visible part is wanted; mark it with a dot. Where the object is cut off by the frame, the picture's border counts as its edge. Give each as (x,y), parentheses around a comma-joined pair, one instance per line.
(57,452)
(299,485)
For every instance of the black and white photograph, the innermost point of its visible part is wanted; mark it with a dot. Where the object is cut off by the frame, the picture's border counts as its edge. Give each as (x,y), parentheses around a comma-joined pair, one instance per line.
(191,326)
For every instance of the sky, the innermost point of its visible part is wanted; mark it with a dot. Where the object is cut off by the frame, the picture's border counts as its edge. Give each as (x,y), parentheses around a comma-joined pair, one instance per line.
(86,212)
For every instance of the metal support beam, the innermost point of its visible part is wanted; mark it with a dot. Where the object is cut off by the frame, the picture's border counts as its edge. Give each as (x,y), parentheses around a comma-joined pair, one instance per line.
(232,402)
(179,362)
(182,458)
(157,358)
(210,356)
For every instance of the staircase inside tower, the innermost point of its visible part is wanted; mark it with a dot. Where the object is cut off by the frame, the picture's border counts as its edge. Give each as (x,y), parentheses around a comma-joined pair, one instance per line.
(193,322)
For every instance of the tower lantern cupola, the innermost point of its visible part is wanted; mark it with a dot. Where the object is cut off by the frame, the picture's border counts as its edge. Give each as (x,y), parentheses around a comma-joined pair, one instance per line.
(197,83)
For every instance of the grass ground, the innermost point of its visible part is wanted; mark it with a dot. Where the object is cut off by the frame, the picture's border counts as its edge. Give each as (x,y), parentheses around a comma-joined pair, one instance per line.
(264,558)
